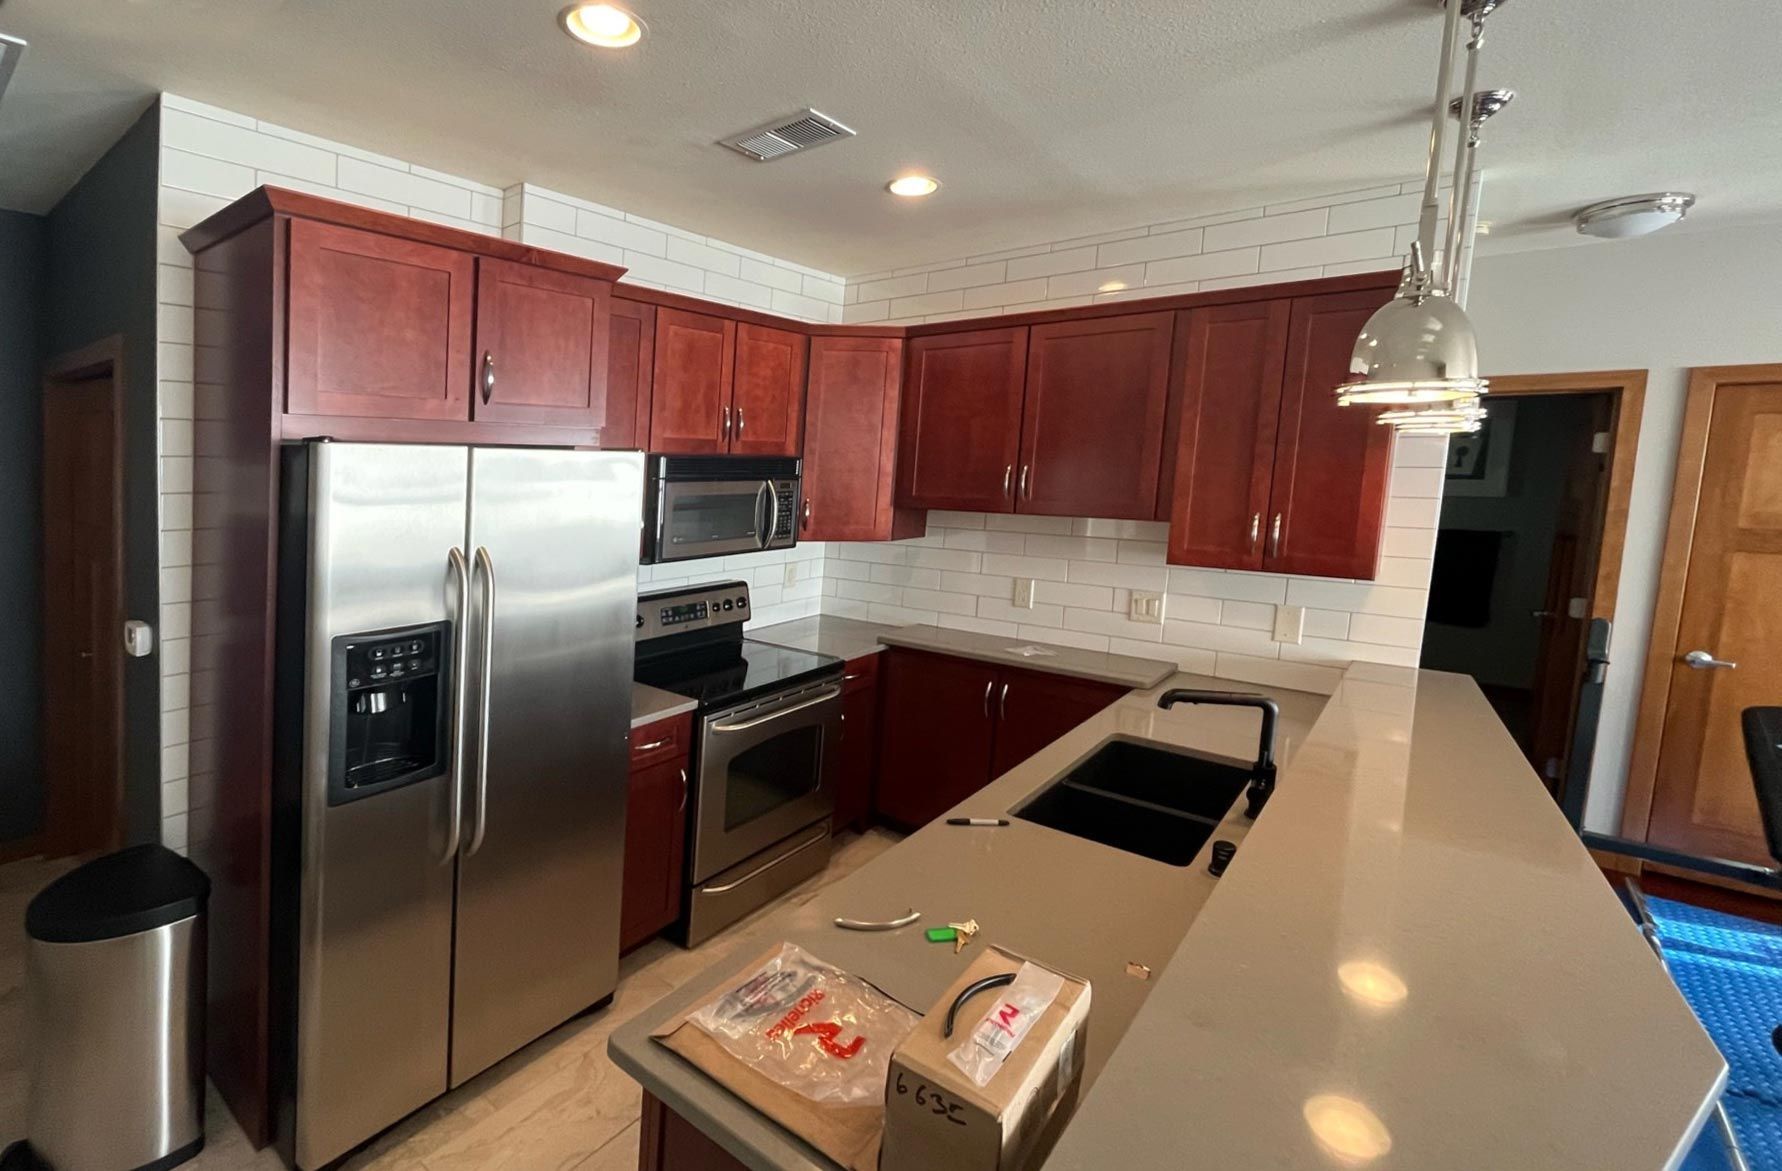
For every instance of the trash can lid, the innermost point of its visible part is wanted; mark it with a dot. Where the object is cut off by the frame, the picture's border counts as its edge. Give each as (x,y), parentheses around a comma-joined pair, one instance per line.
(135,889)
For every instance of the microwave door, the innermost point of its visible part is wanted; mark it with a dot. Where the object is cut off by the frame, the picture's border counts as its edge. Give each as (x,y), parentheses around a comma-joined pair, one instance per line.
(705,518)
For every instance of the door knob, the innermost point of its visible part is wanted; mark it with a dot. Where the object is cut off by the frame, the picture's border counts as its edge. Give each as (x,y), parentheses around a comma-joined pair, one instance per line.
(1703,661)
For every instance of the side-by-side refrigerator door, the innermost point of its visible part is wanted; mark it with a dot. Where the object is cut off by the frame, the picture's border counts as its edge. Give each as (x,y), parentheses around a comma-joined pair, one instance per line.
(553,540)
(378,831)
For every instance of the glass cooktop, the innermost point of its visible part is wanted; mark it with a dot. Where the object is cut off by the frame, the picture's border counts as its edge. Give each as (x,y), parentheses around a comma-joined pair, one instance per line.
(734,672)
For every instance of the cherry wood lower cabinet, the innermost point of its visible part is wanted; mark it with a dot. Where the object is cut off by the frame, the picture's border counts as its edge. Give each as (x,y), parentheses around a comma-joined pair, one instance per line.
(950,726)
(850,447)
(541,345)
(858,755)
(668,1142)
(630,363)
(961,431)
(655,829)
(695,362)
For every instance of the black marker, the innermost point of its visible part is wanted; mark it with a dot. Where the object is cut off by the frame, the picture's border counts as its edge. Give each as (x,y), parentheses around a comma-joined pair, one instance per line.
(983,821)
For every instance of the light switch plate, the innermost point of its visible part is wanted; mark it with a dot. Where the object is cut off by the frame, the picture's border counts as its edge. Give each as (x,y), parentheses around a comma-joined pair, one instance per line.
(1023,599)
(1145,607)
(792,572)
(1290,624)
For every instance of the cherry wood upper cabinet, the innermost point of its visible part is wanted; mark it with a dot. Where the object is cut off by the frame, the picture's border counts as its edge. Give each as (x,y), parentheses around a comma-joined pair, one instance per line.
(541,345)
(630,359)
(936,734)
(690,396)
(1092,426)
(377,326)
(768,397)
(961,430)
(1332,464)
(1229,361)
(850,442)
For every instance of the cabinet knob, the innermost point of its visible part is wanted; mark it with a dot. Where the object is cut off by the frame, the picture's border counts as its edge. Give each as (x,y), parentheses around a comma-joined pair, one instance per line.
(488,376)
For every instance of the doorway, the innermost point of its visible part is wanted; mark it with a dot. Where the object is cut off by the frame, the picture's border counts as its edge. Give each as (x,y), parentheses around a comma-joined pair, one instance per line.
(1528,548)
(83,602)
(1716,643)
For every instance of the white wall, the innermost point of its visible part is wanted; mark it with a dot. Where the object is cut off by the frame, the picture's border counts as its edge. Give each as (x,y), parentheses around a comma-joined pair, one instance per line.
(1663,304)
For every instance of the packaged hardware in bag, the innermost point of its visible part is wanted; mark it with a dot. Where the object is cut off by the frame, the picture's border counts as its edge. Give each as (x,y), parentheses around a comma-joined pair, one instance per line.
(1005,1023)
(811,1027)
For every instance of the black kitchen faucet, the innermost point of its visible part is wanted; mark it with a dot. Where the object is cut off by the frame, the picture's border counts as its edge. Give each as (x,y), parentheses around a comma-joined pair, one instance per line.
(1262,773)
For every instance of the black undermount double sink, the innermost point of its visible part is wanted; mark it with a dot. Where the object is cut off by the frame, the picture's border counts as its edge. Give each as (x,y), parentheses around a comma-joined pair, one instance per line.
(1157,802)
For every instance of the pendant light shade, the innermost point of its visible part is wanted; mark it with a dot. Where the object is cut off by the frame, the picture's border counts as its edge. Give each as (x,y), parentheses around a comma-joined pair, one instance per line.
(1460,417)
(1416,348)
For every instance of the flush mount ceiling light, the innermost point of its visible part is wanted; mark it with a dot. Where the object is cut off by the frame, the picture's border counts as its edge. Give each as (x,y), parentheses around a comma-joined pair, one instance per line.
(605,25)
(1634,215)
(1419,348)
(913,186)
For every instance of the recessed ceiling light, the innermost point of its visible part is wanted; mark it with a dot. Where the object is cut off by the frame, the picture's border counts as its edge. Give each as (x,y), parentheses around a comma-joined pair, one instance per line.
(606,25)
(911,186)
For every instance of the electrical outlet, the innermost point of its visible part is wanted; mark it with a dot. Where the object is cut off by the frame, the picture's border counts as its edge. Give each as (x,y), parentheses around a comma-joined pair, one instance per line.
(1023,599)
(792,572)
(1145,607)
(1290,624)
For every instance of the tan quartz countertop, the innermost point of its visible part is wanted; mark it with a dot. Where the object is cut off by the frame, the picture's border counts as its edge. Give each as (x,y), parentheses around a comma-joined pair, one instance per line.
(649,704)
(826,634)
(1122,670)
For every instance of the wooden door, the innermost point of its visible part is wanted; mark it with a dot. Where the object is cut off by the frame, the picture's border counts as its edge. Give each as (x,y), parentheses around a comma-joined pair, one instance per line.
(377,326)
(1327,508)
(83,617)
(1034,709)
(859,744)
(767,401)
(1229,361)
(695,363)
(630,358)
(961,430)
(1732,610)
(655,851)
(541,345)
(935,735)
(850,445)
(1092,423)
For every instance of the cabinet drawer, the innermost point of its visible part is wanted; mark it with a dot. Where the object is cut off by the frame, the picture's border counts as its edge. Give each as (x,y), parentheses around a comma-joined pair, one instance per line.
(860,674)
(661,740)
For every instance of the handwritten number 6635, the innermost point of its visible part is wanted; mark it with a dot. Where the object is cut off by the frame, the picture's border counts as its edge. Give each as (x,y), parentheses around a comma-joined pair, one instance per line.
(933,1099)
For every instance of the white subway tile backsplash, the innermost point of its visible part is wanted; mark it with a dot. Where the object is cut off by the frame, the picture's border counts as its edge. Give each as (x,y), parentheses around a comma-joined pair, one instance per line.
(403,187)
(1327,249)
(1297,225)
(1156,246)
(1206,266)
(622,233)
(704,256)
(205,175)
(967,276)
(1048,263)
(1013,293)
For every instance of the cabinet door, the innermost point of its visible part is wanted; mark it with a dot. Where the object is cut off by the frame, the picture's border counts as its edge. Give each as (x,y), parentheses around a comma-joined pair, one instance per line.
(1092,426)
(1229,361)
(767,401)
(1034,709)
(859,744)
(850,443)
(690,396)
(655,850)
(1328,504)
(541,344)
(376,326)
(630,357)
(935,736)
(961,429)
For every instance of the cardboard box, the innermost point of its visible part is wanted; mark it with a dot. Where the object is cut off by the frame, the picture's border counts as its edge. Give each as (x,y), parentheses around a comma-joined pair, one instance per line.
(936,1119)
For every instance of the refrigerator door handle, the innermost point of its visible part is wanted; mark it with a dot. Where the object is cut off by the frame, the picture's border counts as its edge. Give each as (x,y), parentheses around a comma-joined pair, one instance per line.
(485,566)
(460,691)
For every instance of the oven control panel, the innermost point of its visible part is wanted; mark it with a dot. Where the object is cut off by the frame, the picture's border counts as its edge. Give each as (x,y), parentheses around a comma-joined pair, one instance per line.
(698,607)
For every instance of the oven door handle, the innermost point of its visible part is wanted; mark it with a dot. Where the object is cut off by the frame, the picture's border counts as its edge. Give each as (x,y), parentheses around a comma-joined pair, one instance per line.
(827,695)
(764,867)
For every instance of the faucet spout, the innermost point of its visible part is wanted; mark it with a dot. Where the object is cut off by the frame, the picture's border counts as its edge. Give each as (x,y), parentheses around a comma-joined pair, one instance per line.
(1262,774)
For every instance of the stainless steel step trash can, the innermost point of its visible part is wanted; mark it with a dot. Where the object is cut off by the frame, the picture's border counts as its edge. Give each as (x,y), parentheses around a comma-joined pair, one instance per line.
(115,977)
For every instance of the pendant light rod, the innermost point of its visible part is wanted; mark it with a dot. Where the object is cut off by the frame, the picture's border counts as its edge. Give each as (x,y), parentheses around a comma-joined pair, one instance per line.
(1429,271)
(1466,138)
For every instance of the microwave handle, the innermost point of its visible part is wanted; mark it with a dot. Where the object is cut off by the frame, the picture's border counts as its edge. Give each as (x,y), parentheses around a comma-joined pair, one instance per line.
(760,539)
(773,514)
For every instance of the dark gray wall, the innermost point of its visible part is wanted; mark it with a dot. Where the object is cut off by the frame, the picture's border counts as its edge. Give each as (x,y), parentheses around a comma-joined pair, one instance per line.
(23,244)
(101,281)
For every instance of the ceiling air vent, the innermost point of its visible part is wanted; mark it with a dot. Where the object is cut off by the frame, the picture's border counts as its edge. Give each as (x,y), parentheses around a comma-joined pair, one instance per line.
(783,136)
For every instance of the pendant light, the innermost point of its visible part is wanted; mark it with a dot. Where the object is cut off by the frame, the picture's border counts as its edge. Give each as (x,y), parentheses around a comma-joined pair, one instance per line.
(1419,348)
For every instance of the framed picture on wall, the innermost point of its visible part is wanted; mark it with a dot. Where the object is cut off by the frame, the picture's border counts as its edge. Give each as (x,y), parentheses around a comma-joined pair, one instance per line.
(1479,464)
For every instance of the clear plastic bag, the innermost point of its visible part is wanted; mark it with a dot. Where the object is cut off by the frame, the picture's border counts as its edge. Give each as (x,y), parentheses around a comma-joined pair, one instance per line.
(1008,1019)
(811,1027)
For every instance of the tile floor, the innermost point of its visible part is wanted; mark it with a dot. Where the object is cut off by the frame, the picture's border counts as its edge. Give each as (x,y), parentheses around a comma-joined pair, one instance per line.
(559,1103)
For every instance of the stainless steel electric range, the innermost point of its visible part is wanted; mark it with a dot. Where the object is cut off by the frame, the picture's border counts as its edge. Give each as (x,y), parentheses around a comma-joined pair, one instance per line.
(767,727)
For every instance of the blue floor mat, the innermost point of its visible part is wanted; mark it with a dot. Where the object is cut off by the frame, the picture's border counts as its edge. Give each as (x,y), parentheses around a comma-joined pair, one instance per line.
(1729,969)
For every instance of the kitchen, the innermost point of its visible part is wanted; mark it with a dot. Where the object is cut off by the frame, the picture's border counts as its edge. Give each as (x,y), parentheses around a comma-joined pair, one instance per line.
(920,569)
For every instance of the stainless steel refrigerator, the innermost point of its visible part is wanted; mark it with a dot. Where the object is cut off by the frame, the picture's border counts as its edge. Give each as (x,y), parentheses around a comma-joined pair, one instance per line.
(454,678)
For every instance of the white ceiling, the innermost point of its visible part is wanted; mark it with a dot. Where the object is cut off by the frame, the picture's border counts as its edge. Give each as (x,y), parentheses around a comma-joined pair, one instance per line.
(1044,119)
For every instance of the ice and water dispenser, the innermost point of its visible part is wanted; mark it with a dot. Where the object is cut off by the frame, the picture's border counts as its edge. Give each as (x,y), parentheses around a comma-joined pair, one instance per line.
(391,710)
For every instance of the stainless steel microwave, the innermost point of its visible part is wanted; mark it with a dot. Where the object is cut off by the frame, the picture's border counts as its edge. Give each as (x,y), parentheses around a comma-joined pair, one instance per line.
(712,505)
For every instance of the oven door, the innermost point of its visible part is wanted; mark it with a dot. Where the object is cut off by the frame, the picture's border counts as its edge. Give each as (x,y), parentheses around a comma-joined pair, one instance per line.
(764,774)
(707,518)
